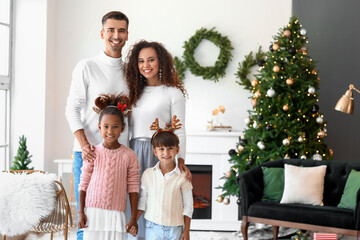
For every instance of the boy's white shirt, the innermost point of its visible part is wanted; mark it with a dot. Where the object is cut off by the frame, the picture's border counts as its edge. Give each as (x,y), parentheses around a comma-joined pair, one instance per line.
(187,196)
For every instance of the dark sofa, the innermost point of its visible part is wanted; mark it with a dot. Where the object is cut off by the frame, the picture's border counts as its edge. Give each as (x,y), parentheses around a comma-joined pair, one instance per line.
(328,218)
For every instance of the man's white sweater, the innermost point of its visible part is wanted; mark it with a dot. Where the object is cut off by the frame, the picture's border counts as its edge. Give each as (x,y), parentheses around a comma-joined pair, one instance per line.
(92,77)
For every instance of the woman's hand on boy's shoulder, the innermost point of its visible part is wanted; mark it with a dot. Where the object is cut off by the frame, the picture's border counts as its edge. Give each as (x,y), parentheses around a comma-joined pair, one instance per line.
(184,168)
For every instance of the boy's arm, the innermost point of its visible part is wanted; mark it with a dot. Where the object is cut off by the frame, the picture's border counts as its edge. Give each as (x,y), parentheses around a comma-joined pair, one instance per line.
(139,213)
(188,209)
(186,233)
(142,199)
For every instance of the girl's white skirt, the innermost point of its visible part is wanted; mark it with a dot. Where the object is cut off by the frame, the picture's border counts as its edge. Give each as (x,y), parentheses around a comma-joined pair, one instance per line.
(104,224)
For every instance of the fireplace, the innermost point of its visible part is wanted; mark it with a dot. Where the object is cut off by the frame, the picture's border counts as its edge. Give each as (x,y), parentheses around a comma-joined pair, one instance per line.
(202,185)
(208,152)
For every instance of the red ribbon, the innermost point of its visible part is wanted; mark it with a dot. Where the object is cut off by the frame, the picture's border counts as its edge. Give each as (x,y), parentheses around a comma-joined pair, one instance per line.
(121,107)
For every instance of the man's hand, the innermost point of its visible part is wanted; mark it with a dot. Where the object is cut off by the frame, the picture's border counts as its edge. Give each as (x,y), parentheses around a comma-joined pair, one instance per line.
(88,153)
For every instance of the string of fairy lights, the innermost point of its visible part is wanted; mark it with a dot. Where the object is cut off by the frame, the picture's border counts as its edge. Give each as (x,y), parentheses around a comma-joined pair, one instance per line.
(285,121)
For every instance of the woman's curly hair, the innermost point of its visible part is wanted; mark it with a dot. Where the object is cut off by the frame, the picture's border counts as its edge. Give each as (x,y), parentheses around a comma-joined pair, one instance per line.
(136,82)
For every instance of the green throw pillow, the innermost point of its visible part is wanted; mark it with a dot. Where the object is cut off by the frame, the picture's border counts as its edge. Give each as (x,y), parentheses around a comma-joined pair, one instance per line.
(348,199)
(273,184)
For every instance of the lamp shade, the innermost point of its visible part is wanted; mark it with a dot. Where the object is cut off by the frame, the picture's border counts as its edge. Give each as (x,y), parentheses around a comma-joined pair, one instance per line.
(345,103)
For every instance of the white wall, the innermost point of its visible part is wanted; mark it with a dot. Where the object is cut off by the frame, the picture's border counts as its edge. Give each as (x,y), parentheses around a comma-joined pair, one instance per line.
(28,86)
(74,34)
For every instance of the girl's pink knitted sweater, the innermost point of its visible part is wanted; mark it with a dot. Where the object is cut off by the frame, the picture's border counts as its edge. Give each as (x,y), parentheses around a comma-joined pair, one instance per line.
(107,180)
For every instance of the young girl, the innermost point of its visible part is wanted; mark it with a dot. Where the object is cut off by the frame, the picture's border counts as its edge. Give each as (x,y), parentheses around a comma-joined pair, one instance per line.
(166,194)
(105,181)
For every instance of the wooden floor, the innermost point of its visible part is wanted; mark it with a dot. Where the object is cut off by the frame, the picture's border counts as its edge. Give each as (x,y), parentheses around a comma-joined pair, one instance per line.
(194,235)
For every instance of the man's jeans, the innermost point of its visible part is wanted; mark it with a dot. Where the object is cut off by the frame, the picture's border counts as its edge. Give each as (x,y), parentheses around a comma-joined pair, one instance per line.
(78,162)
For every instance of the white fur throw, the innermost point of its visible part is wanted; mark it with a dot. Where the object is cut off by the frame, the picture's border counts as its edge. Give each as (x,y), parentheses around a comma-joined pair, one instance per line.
(25,200)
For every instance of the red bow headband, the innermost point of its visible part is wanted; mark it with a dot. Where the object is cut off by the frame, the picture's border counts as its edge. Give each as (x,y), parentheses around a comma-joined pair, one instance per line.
(121,106)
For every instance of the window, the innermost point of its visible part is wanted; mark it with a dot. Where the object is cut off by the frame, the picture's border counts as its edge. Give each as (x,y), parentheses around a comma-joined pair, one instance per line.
(5,79)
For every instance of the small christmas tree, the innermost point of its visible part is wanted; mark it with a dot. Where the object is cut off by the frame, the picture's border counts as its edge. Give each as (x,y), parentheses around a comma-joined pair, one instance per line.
(22,159)
(285,121)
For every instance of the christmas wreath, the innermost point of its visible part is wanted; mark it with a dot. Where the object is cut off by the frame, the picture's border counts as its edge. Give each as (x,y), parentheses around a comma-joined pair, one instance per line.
(244,68)
(222,42)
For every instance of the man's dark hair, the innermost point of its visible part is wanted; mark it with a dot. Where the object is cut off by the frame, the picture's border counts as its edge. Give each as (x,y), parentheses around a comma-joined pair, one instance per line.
(115,15)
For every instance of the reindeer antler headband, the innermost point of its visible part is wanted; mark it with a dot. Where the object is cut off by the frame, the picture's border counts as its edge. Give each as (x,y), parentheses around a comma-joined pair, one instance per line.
(170,128)
(120,102)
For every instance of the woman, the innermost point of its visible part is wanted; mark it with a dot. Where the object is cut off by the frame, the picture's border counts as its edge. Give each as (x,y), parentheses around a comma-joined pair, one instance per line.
(155,92)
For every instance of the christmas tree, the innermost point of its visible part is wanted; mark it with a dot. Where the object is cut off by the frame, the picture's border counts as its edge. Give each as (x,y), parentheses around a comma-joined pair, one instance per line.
(285,121)
(22,159)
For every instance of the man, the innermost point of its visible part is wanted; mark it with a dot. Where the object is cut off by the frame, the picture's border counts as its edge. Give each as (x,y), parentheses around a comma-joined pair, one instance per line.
(91,77)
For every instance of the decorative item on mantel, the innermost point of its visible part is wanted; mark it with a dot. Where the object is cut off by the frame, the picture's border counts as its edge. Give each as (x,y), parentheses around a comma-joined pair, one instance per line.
(216,123)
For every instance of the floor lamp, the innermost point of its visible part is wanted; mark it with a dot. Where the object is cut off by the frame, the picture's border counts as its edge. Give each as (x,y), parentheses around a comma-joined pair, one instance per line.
(346,102)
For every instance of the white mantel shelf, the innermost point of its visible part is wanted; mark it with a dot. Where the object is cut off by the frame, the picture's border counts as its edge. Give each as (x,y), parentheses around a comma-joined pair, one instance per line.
(211,148)
(213,133)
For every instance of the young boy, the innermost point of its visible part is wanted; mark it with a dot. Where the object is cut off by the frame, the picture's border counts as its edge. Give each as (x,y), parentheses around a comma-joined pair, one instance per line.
(166,195)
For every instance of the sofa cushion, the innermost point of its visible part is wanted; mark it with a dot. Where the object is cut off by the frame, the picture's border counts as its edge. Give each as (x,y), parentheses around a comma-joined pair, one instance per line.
(329,216)
(273,184)
(348,198)
(304,184)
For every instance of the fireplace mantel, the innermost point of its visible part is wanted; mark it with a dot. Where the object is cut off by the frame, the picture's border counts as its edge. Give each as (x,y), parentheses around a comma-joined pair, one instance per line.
(211,148)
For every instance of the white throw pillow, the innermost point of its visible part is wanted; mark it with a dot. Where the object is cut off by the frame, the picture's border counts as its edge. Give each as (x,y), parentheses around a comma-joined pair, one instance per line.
(303,184)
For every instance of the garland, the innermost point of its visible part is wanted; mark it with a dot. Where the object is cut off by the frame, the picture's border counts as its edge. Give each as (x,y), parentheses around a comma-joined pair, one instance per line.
(244,68)
(210,73)
(180,67)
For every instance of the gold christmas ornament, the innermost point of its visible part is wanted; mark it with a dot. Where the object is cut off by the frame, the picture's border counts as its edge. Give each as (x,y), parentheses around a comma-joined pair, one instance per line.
(254,82)
(331,152)
(253,102)
(287,33)
(321,134)
(219,199)
(240,148)
(290,81)
(286,107)
(276,47)
(228,174)
(226,201)
(276,68)
(257,94)
(314,72)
